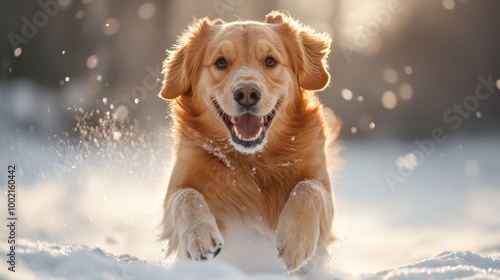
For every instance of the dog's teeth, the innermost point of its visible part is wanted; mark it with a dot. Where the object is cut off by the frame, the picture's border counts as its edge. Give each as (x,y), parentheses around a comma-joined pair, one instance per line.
(235,130)
(258,134)
(261,119)
(237,133)
(233,120)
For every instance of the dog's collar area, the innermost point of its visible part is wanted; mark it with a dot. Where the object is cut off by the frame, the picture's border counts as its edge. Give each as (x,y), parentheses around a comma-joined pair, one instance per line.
(247,130)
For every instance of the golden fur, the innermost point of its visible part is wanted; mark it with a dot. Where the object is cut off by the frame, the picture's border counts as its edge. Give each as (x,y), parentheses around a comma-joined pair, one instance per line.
(283,190)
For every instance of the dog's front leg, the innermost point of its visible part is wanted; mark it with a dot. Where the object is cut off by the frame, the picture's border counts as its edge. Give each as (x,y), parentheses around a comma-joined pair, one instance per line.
(303,222)
(190,227)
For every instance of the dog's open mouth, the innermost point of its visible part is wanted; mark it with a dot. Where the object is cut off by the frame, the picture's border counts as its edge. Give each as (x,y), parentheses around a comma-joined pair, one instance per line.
(247,130)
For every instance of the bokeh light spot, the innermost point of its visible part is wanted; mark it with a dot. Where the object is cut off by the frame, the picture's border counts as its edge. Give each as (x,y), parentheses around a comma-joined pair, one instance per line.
(449,4)
(390,75)
(79,14)
(408,70)
(389,100)
(18,52)
(405,91)
(92,61)
(65,3)
(346,94)
(146,10)
(117,135)
(408,161)
(111,26)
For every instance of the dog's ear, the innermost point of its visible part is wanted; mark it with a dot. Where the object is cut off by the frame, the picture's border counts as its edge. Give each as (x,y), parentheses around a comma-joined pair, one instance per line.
(276,17)
(184,60)
(314,74)
(176,81)
(307,50)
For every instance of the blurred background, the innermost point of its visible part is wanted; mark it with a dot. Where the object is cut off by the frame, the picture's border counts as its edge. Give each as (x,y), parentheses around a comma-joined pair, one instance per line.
(396,64)
(79,114)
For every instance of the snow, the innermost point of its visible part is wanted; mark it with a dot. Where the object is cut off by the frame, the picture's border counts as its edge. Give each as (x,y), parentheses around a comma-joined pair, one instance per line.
(215,151)
(92,211)
(42,260)
(448,265)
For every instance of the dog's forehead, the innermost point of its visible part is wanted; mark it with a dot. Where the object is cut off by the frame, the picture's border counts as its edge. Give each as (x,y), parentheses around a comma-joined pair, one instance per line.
(241,30)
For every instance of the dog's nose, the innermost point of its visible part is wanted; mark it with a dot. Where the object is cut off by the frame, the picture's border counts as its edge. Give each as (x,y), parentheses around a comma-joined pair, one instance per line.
(246,95)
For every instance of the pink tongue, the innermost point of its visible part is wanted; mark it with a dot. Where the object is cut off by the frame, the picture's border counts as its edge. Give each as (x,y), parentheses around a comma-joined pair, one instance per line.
(248,125)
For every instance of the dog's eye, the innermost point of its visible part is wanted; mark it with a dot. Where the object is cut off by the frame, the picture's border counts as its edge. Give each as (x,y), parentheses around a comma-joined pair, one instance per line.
(221,63)
(270,62)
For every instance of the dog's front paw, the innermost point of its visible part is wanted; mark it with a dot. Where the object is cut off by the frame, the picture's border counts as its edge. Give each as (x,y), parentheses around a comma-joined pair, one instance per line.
(203,242)
(299,226)
(296,245)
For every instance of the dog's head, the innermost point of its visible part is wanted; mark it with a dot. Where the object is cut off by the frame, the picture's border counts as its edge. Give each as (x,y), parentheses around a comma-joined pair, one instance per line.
(245,72)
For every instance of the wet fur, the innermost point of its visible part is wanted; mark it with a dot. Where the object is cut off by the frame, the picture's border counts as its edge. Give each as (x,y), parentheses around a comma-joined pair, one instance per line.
(283,190)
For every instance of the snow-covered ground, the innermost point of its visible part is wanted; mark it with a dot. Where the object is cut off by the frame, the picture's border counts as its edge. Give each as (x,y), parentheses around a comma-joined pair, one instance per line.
(88,212)
(41,260)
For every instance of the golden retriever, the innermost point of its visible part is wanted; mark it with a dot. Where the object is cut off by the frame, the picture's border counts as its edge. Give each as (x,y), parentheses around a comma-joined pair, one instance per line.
(250,138)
